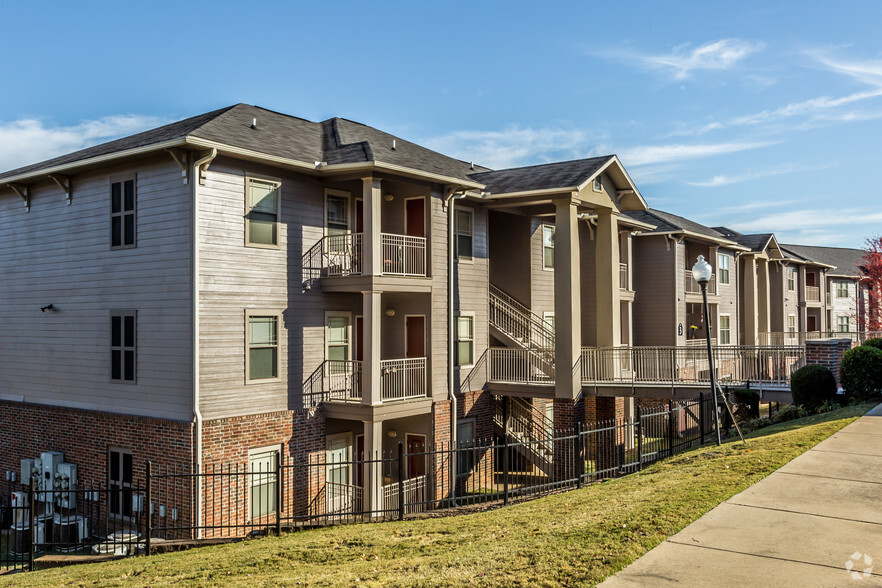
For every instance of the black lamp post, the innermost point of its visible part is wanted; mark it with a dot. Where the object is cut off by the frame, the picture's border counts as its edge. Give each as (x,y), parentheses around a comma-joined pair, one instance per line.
(702,272)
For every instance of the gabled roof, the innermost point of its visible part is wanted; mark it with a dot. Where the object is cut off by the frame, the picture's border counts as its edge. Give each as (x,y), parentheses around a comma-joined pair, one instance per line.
(668,223)
(845,262)
(563,175)
(335,141)
(754,241)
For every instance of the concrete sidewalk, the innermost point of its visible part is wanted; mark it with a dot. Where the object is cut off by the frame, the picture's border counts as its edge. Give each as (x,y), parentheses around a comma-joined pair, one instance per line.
(800,526)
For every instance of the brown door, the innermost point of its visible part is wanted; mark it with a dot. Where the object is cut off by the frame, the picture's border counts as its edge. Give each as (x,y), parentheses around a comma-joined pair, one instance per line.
(359,338)
(416,458)
(812,323)
(416,336)
(359,216)
(415,217)
(810,279)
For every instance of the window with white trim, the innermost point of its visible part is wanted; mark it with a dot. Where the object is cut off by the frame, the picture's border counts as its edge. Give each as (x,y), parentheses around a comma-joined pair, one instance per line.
(725,329)
(336,212)
(723,269)
(791,325)
(548,246)
(123,346)
(842,324)
(548,318)
(464,232)
(465,437)
(122,214)
(465,340)
(263,346)
(841,289)
(791,279)
(262,466)
(598,184)
(262,202)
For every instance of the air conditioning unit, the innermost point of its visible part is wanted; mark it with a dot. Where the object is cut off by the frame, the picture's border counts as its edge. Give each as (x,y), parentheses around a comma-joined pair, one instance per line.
(66,479)
(20,508)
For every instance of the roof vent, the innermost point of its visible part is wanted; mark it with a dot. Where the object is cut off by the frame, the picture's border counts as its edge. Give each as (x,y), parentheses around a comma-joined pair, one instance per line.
(254,123)
(472,165)
(393,145)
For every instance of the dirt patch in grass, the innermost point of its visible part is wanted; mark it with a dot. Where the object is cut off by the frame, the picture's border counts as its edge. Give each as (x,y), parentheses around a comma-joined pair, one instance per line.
(573,538)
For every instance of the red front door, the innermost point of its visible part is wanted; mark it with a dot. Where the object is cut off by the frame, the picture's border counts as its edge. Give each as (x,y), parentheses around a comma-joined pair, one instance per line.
(416,336)
(416,458)
(415,217)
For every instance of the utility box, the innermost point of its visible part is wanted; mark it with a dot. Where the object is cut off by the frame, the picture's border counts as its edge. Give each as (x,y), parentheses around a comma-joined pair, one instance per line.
(66,479)
(27,470)
(50,460)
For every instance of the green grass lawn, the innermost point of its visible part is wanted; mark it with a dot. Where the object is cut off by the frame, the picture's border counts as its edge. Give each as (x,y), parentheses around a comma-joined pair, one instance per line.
(573,538)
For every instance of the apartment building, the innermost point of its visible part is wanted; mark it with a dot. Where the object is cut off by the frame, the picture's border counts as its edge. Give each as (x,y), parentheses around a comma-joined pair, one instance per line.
(244,286)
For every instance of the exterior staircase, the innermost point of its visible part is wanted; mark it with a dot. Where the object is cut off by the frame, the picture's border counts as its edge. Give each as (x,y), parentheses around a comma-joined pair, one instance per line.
(516,325)
(529,430)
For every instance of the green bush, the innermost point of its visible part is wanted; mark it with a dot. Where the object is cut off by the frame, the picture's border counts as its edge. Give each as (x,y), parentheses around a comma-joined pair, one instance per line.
(812,385)
(789,413)
(745,403)
(874,342)
(861,371)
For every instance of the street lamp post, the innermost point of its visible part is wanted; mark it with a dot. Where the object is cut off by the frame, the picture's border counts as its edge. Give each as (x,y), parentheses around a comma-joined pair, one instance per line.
(702,272)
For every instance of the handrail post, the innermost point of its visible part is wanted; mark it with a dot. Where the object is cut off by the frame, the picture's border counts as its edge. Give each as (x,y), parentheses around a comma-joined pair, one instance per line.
(149,508)
(401,480)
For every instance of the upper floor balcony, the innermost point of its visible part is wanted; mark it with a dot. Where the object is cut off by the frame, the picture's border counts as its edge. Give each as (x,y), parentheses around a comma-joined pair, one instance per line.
(813,293)
(344,256)
(692,287)
(342,381)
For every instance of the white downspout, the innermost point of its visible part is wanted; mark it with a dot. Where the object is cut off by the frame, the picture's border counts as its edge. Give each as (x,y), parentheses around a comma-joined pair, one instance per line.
(197,413)
(451,254)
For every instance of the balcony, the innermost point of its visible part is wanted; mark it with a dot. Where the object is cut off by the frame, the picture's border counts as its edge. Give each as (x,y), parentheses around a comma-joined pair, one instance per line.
(692,287)
(623,276)
(813,293)
(337,256)
(520,366)
(341,381)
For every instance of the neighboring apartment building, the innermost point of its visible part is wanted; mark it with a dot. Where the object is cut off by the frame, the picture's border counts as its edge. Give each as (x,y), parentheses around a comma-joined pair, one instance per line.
(245,285)
(844,289)
(670,310)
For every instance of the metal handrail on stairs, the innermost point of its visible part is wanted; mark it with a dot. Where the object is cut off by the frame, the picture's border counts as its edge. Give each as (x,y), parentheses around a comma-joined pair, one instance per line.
(519,322)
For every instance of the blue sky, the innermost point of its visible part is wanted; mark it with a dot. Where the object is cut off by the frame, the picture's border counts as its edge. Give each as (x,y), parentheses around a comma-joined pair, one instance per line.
(763,116)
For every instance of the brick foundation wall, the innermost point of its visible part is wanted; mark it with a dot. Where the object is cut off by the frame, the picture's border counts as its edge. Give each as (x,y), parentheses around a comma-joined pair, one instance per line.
(827,352)
(480,406)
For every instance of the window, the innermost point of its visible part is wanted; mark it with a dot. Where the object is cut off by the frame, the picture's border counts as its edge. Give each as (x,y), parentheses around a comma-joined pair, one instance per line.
(262,212)
(842,325)
(791,279)
(598,184)
(122,214)
(547,246)
(122,346)
(462,226)
(725,329)
(338,337)
(119,474)
(548,317)
(723,263)
(791,325)
(336,212)
(841,289)
(263,347)
(465,437)
(465,340)
(262,465)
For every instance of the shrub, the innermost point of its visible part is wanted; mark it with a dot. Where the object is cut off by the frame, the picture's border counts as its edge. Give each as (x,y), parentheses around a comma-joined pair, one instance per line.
(789,413)
(812,385)
(745,403)
(754,424)
(861,371)
(827,406)
(874,342)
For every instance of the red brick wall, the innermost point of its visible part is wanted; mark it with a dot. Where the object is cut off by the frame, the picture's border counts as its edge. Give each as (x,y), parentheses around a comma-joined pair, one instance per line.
(827,352)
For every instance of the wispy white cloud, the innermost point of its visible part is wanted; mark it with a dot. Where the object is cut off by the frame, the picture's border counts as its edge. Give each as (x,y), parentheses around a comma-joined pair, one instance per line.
(801,220)
(868,72)
(514,145)
(805,108)
(762,204)
(725,180)
(30,140)
(683,60)
(649,154)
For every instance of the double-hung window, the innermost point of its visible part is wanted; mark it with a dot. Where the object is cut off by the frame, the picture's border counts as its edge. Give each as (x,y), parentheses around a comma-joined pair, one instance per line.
(262,465)
(262,212)
(465,340)
(263,346)
(725,329)
(122,214)
(791,325)
(123,342)
(547,246)
(842,325)
(723,269)
(841,289)
(463,228)
(791,279)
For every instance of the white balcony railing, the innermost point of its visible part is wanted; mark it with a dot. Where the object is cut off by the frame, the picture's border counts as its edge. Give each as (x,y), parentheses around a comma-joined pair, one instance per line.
(692,286)
(403,255)
(403,378)
(813,293)
(528,366)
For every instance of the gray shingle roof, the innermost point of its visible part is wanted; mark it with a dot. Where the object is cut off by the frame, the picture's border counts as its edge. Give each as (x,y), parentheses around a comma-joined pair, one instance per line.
(847,262)
(564,174)
(754,241)
(666,222)
(335,140)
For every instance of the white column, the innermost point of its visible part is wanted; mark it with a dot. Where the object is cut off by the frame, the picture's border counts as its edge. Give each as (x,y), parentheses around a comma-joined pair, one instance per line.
(373,467)
(371,380)
(607,279)
(567,301)
(372,253)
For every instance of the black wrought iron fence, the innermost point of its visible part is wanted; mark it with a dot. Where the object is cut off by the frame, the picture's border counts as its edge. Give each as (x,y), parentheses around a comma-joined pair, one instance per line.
(276,493)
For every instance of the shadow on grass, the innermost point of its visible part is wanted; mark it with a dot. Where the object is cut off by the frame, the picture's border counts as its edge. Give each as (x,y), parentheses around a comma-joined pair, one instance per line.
(854,410)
